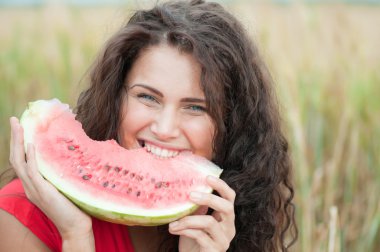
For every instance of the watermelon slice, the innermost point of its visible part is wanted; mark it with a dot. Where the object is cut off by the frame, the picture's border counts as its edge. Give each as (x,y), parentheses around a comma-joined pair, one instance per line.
(132,187)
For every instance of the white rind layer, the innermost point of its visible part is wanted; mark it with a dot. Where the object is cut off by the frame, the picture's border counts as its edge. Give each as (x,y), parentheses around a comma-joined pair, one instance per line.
(36,114)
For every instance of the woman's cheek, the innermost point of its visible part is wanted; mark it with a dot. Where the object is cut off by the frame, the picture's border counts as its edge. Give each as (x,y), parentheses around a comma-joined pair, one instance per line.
(200,133)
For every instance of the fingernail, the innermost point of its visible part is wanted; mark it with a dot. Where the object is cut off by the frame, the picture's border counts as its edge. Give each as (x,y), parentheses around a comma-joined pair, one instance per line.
(195,196)
(211,178)
(173,224)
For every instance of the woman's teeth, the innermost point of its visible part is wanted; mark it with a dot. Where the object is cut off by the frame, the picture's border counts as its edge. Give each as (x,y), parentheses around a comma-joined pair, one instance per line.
(160,152)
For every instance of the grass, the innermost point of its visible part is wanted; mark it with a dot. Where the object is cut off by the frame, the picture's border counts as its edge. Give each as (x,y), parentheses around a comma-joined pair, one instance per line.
(326,65)
(325,60)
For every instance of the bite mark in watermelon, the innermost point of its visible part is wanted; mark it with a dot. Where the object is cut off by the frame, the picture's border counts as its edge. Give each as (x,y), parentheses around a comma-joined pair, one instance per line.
(107,181)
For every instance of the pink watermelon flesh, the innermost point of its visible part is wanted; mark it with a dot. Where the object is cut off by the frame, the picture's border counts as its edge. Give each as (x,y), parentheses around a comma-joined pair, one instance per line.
(132,187)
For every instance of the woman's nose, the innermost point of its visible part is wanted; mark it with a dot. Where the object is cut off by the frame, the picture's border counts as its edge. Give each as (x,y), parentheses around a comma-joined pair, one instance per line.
(165,125)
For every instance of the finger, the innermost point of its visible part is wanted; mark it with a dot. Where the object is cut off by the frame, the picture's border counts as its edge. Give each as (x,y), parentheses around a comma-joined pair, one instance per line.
(18,161)
(223,206)
(28,175)
(203,239)
(32,170)
(37,182)
(17,156)
(11,140)
(222,188)
(207,223)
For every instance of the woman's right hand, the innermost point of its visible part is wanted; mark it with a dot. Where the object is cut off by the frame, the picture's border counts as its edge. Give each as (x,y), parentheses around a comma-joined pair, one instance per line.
(74,226)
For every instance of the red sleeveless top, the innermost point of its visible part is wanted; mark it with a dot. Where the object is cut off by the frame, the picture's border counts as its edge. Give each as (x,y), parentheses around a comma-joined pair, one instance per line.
(108,236)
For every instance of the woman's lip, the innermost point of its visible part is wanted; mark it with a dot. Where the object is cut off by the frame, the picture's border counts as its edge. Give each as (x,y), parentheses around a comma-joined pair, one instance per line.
(163,146)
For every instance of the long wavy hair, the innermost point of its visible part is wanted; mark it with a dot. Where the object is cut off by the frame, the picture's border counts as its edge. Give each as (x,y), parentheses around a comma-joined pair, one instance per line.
(249,144)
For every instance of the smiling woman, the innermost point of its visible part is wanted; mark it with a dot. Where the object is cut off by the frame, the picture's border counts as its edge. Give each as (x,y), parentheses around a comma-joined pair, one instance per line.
(183,76)
(166,105)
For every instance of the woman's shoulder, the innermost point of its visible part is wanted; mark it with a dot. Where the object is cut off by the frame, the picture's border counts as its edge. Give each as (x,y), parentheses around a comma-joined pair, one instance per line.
(14,236)
(19,215)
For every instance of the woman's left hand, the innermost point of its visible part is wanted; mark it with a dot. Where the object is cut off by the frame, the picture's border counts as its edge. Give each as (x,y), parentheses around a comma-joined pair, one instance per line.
(208,233)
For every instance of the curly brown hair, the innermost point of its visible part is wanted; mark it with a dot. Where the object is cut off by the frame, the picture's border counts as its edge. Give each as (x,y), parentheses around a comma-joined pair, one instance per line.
(249,144)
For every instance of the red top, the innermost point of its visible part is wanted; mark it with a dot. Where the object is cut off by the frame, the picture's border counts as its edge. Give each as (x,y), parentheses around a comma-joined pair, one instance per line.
(108,236)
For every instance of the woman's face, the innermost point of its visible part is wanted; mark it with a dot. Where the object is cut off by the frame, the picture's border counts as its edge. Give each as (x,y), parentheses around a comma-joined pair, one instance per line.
(165,110)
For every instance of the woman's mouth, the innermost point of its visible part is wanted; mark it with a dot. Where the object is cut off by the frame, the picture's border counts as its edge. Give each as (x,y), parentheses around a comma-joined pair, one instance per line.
(158,151)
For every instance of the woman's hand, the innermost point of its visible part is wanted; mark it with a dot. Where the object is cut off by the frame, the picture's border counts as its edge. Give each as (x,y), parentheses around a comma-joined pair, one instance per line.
(74,226)
(211,233)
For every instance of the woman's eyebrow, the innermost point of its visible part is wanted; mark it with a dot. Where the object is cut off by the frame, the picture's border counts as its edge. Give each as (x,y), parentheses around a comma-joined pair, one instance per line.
(149,88)
(195,100)
(157,92)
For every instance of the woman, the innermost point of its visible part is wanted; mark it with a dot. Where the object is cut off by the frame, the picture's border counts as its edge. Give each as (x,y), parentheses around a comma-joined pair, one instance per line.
(182,76)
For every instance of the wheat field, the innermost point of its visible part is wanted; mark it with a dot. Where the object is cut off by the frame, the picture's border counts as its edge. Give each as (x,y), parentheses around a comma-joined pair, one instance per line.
(325,60)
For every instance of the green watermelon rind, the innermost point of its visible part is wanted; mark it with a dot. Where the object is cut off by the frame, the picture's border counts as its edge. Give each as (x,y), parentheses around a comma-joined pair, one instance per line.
(127,219)
(36,115)
(106,213)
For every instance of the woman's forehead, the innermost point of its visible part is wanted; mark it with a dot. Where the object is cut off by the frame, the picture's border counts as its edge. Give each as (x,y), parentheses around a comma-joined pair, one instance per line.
(167,69)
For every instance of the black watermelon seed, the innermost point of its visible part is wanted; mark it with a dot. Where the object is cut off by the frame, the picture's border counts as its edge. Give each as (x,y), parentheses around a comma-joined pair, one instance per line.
(138,193)
(132,175)
(113,186)
(158,185)
(117,169)
(86,177)
(105,184)
(71,147)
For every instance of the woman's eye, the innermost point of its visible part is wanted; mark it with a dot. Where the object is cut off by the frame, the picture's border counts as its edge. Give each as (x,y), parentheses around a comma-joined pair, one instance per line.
(196,108)
(147,97)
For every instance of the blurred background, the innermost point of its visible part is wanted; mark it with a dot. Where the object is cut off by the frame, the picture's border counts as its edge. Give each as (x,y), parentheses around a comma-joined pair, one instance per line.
(323,55)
